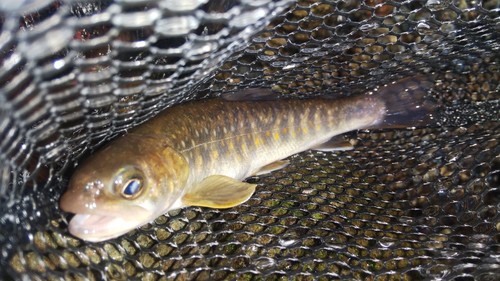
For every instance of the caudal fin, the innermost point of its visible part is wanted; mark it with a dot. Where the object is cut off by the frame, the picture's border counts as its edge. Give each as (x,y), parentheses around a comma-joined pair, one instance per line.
(407,104)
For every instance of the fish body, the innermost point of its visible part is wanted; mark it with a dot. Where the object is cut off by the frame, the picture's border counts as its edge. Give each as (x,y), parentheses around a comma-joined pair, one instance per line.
(198,153)
(237,138)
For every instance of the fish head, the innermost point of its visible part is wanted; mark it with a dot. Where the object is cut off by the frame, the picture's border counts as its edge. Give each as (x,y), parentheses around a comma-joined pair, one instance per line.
(127,184)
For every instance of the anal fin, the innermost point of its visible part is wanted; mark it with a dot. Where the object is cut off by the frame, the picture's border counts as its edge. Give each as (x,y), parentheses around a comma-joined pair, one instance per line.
(218,191)
(276,165)
(337,143)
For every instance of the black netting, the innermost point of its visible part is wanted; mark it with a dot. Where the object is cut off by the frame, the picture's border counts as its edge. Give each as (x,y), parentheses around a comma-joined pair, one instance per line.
(404,204)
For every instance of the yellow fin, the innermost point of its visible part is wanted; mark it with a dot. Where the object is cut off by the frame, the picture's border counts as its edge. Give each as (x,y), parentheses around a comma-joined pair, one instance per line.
(276,165)
(219,192)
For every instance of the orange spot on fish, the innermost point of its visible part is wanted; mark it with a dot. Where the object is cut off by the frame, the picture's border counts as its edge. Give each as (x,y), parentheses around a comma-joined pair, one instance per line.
(268,133)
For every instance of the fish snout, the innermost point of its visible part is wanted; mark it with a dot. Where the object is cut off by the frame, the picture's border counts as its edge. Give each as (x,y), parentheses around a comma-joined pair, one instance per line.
(81,196)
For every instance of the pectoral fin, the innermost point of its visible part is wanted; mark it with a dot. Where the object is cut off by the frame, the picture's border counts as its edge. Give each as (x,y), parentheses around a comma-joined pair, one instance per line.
(219,192)
(337,143)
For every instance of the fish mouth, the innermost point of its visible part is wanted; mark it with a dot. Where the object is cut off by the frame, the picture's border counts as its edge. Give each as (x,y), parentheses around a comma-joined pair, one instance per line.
(97,227)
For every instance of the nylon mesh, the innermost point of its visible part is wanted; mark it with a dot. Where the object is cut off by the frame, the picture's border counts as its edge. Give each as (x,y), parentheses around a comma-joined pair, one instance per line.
(404,204)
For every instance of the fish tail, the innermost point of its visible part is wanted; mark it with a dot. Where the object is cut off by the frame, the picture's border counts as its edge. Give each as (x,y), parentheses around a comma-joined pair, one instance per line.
(406,103)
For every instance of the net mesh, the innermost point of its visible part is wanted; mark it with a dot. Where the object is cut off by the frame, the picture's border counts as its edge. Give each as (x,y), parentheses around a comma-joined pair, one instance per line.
(406,204)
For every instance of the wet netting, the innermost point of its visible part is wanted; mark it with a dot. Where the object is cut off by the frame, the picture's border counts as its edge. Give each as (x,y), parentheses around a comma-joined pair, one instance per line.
(404,204)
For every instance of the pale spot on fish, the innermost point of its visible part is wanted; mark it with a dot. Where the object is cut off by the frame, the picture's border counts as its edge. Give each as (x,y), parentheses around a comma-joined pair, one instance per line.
(317,117)
(258,141)
(276,136)
(215,154)
(199,161)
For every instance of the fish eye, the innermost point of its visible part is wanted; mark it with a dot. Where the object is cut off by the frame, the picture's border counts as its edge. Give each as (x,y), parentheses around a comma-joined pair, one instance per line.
(129,182)
(132,188)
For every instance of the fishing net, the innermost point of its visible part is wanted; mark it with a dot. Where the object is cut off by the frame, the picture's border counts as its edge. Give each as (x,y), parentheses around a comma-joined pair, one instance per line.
(404,204)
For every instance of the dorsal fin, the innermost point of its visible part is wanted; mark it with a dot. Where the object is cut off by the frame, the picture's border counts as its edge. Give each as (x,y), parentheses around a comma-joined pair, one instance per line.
(250,94)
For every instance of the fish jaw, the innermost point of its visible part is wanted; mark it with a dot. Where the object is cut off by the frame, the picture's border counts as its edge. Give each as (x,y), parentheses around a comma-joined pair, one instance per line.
(100,227)
(99,220)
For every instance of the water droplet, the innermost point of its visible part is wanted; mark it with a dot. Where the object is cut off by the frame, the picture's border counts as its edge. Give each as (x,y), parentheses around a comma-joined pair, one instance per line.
(369,26)
(442,192)
(341,47)
(287,243)
(435,5)
(386,242)
(58,64)
(406,220)
(290,66)
(308,191)
(424,29)
(201,50)
(264,263)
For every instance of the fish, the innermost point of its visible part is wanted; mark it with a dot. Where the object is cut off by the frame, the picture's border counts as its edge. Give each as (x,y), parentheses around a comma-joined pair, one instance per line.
(200,152)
